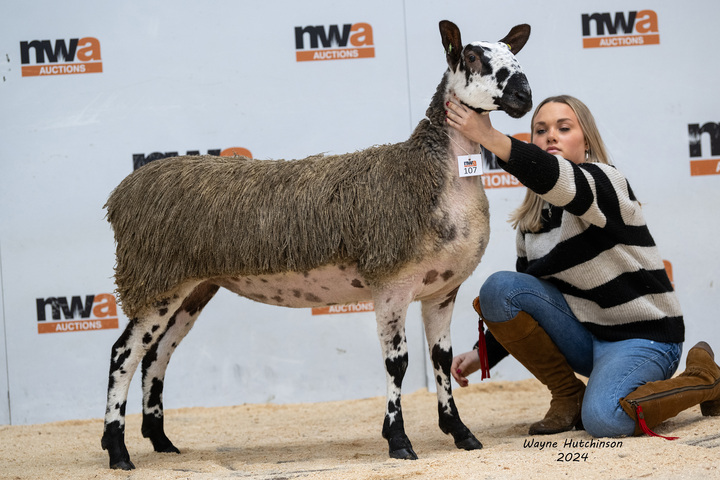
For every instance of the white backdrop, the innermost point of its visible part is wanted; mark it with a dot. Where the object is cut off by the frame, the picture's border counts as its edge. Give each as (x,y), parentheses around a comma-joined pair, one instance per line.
(225,75)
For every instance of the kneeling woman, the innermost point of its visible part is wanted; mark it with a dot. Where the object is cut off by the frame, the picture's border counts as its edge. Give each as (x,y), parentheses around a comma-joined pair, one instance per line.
(590,294)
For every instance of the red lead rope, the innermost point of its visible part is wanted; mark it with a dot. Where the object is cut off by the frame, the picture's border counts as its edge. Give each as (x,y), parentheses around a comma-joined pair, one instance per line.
(645,428)
(482,348)
(482,353)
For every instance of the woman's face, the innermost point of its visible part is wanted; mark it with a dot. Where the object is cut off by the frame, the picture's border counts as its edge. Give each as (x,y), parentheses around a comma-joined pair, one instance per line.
(557,131)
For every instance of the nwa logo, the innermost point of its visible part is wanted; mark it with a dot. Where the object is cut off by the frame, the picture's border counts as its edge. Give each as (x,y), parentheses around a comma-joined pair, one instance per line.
(620,29)
(140,159)
(97,312)
(711,133)
(495,177)
(336,42)
(60,57)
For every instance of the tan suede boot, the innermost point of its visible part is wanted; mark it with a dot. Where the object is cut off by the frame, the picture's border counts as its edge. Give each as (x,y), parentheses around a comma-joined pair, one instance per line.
(652,403)
(531,346)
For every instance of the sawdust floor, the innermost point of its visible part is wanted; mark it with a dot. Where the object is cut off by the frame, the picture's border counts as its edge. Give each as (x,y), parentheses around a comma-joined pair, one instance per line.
(341,440)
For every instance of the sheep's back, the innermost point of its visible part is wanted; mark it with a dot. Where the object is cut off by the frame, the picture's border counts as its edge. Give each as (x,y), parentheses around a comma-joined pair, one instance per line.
(201,216)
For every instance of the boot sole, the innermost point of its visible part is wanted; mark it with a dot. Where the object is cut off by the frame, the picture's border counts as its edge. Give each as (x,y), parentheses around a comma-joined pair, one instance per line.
(710,408)
(550,431)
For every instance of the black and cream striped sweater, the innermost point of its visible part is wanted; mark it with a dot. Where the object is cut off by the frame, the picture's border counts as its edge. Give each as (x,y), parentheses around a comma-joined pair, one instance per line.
(595,247)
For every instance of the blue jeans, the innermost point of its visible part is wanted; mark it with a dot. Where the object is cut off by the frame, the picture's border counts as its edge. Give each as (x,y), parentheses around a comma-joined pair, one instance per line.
(614,369)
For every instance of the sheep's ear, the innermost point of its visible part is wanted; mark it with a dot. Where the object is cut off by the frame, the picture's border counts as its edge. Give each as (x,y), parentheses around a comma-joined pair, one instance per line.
(517,37)
(451,42)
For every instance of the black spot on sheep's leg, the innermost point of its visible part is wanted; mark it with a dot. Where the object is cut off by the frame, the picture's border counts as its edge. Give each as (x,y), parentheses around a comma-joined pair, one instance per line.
(117,358)
(357,283)
(449,418)
(394,320)
(162,306)
(153,425)
(113,440)
(450,298)
(393,426)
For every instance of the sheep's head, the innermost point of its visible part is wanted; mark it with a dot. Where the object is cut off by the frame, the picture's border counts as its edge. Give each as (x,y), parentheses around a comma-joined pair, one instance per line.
(486,76)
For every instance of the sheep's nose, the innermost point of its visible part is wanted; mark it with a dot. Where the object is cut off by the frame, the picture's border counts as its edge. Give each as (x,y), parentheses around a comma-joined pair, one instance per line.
(522,96)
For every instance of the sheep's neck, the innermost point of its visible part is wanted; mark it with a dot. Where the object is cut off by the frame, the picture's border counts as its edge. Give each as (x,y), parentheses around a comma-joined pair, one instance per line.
(460,144)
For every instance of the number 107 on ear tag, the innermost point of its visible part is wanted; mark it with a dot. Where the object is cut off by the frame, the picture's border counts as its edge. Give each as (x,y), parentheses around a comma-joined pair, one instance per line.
(470,165)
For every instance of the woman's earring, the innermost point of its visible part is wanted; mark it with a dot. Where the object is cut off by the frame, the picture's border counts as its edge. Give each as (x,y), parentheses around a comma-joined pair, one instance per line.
(587,154)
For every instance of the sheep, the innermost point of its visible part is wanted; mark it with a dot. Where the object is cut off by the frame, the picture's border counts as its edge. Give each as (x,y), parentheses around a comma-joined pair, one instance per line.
(395,224)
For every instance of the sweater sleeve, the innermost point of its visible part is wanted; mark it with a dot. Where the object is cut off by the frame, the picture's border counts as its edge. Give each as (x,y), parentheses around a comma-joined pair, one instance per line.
(595,192)
(535,168)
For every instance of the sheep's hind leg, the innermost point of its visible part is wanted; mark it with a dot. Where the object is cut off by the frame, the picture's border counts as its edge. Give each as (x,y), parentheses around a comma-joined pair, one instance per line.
(390,318)
(127,352)
(436,315)
(155,362)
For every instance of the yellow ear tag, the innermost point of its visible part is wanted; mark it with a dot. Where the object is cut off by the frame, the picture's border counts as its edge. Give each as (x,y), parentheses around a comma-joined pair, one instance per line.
(449,49)
(509,47)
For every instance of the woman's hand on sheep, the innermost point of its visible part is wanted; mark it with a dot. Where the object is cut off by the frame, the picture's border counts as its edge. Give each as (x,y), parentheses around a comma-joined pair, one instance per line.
(477,128)
(463,365)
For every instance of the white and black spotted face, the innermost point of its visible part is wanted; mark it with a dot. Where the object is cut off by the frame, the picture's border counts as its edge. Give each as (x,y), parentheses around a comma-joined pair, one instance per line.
(486,76)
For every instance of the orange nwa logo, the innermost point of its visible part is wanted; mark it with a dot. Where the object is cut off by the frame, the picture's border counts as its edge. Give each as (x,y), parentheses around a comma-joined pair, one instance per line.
(140,159)
(60,58)
(633,29)
(669,271)
(708,166)
(351,308)
(332,44)
(98,312)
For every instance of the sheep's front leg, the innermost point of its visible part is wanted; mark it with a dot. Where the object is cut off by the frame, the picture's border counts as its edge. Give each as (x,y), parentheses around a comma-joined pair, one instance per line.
(437,314)
(390,316)
(155,362)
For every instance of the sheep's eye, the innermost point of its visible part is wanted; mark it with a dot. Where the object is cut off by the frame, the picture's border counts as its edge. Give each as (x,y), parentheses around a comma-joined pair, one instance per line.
(472,58)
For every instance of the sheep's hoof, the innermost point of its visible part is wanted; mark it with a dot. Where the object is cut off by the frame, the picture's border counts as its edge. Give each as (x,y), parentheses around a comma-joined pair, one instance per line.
(404,454)
(400,447)
(123,465)
(470,443)
(164,445)
(168,449)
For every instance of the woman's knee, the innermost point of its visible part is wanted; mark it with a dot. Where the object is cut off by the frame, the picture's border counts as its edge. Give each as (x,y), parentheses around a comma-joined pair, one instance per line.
(606,420)
(494,295)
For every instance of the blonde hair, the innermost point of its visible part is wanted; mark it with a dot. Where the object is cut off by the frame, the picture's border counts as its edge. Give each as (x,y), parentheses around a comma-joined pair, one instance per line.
(528,216)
